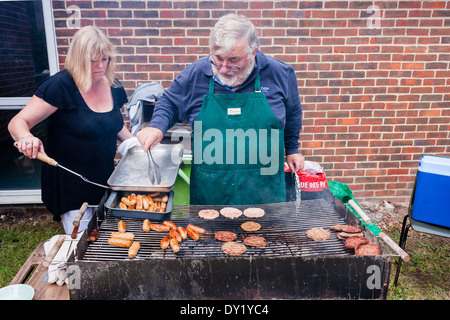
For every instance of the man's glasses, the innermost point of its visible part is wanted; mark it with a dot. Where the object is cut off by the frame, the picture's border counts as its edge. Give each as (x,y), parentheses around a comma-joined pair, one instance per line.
(232,67)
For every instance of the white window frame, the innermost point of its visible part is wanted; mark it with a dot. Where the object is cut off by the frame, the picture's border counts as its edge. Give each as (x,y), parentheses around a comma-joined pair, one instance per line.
(32,196)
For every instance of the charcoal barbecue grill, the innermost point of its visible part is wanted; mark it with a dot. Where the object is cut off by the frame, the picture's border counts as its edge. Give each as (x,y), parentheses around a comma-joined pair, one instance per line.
(291,266)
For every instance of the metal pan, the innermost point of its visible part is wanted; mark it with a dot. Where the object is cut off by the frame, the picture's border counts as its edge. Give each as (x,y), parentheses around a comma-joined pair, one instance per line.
(131,174)
(112,204)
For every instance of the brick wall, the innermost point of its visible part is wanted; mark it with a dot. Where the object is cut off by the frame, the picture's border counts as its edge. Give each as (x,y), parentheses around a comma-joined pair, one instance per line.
(374,80)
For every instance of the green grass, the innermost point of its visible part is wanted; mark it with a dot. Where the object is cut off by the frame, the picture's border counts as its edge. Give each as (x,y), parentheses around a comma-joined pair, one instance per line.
(18,241)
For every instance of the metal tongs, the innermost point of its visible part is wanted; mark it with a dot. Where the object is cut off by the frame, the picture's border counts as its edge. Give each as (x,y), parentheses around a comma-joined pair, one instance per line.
(154,172)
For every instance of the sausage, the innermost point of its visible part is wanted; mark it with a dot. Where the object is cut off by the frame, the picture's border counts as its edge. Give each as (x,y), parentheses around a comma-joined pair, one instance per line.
(123,235)
(139,202)
(126,201)
(182,232)
(159,227)
(149,199)
(152,207)
(121,226)
(165,242)
(174,245)
(145,203)
(146,225)
(174,234)
(132,199)
(196,228)
(118,242)
(93,235)
(170,224)
(192,233)
(122,205)
(132,252)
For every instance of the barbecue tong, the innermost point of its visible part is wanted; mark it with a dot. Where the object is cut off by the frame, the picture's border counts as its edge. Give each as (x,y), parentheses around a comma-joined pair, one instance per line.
(154,172)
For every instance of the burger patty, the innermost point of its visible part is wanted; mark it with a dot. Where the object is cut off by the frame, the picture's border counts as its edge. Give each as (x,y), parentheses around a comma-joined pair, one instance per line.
(208,214)
(345,228)
(318,234)
(353,242)
(225,236)
(255,241)
(254,212)
(367,249)
(250,226)
(234,248)
(229,212)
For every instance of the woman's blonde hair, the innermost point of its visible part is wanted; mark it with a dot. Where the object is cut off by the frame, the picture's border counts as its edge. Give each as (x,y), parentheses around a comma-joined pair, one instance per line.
(89,43)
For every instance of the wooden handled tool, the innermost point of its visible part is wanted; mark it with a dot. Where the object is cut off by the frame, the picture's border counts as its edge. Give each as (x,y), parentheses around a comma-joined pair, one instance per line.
(405,257)
(76,221)
(360,212)
(54,163)
(52,253)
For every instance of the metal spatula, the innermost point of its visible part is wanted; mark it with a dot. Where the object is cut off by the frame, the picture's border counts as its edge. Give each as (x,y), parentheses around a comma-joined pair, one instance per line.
(154,173)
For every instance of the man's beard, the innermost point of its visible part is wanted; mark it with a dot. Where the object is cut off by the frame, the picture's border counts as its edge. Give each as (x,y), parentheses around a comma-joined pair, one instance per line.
(235,81)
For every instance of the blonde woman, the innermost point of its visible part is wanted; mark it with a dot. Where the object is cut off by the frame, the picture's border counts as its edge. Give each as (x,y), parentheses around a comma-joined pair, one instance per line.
(82,104)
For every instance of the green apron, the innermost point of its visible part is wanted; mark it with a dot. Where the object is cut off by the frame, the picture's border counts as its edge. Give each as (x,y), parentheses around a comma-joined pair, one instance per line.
(238,151)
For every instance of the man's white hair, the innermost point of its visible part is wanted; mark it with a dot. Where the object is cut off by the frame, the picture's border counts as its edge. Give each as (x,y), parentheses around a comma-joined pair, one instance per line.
(230,28)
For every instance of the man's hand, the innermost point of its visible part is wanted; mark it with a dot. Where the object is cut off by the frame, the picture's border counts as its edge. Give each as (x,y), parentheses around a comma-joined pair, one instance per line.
(295,162)
(149,137)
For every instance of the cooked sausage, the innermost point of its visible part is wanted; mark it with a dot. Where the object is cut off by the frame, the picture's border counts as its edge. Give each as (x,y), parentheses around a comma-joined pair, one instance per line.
(93,235)
(165,242)
(192,233)
(145,203)
(182,232)
(121,226)
(170,224)
(196,228)
(122,205)
(139,202)
(118,242)
(159,227)
(132,252)
(174,234)
(174,245)
(165,198)
(126,201)
(132,199)
(123,235)
(146,225)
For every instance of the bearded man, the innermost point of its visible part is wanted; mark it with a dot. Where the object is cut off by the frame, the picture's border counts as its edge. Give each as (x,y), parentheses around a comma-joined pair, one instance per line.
(246,115)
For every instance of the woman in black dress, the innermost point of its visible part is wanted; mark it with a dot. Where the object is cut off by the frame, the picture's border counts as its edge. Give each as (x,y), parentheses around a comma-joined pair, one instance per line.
(82,104)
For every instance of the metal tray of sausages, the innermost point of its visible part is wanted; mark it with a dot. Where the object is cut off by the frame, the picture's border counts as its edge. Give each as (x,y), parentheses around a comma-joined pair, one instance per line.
(131,174)
(112,204)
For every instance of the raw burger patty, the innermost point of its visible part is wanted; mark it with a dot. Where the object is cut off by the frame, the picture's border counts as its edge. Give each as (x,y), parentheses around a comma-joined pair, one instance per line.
(208,214)
(345,228)
(234,248)
(255,241)
(367,249)
(225,236)
(353,242)
(250,226)
(318,234)
(254,212)
(229,212)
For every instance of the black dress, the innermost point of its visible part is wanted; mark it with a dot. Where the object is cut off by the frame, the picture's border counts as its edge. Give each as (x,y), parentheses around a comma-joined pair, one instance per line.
(79,139)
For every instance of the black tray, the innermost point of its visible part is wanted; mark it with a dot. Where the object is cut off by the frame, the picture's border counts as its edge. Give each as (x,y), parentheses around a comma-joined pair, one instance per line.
(112,204)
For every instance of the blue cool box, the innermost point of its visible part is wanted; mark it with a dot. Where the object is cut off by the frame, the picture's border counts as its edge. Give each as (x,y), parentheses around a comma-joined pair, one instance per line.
(432,196)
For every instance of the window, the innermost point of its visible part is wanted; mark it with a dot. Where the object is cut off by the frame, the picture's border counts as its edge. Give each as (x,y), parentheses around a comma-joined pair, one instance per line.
(27,56)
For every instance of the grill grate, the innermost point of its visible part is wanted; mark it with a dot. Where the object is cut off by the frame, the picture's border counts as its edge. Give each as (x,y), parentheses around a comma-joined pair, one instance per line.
(283,226)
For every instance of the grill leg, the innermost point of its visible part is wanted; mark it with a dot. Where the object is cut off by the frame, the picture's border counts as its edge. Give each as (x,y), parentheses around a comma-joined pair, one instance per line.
(402,244)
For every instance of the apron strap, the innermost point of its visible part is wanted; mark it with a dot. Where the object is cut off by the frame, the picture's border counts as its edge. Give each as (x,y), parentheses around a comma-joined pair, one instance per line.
(257,84)
(211,85)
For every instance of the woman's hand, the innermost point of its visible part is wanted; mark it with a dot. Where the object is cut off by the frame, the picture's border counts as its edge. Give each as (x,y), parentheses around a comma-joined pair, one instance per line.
(30,146)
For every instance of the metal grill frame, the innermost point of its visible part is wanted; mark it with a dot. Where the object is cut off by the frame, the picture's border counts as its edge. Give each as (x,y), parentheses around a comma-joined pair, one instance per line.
(215,275)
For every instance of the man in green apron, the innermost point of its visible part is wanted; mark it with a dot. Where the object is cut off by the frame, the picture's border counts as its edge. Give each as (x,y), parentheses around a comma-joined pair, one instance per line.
(245,112)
